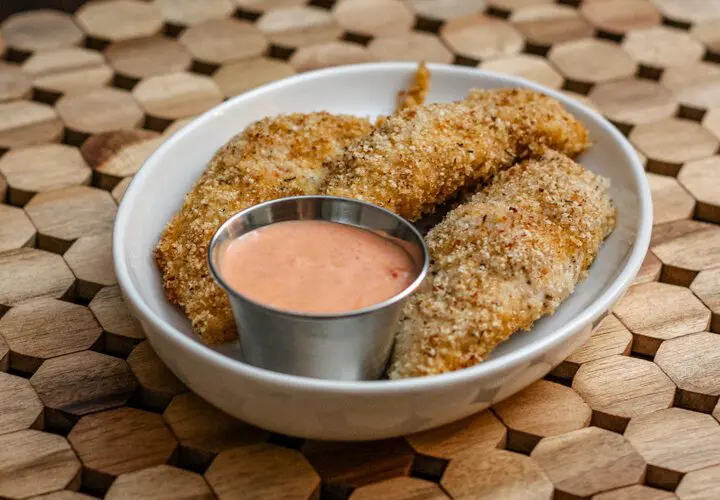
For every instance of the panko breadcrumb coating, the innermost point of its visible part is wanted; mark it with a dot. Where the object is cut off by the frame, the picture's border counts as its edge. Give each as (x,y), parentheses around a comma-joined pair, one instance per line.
(502,260)
(272,158)
(416,93)
(420,157)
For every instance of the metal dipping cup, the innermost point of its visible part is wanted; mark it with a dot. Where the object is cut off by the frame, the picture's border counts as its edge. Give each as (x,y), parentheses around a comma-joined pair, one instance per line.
(354,345)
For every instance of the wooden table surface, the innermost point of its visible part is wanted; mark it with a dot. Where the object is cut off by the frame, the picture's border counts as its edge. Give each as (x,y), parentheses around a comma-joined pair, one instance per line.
(87,409)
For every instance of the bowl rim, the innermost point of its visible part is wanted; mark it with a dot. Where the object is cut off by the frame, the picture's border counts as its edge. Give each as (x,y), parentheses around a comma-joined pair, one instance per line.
(507,362)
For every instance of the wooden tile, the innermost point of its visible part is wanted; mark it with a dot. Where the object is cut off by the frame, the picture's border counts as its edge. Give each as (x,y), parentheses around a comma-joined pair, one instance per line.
(700,485)
(481,37)
(221,41)
(329,54)
(636,492)
(253,470)
(63,215)
(446,9)
(411,46)
(610,337)
(27,273)
(632,101)
(118,441)
(641,389)
(100,110)
(33,463)
(685,248)
(72,69)
(122,330)
(260,6)
(619,16)
(582,99)
(119,190)
(711,121)
(541,410)
(148,56)
(589,61)
(158,385)
(82,383)
(44,328)
(161,482)
(670,200)
(191,12)
(678,10)
(46,167)
(546,25)
(21,407)
(528,66)
(13,83)
(16,230)
(176,126)
(512,5)
(662,47)
(236,78)
(4,355)
(361,16)
(177,95)
(655,312)
(38,30)
(671,142)
(567,458)
(90,260)
(702,179)
(482,432)
(693,363)
(673,442)
(24,123)
(64,495)
(400,488)
(299,26)
(497,474)
(706,286)
(696,85)
(117,154)
(707,32)
(355,464)
(116,20)
(204,431)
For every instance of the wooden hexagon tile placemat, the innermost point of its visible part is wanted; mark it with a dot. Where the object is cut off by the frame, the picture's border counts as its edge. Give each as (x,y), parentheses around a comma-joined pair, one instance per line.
(88,410)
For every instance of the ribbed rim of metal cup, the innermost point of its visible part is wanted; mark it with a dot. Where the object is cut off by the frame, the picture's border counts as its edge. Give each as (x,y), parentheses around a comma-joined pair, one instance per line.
(355,312)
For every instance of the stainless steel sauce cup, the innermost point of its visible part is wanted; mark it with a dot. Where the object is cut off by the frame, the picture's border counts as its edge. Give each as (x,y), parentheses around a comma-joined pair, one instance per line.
(348,346)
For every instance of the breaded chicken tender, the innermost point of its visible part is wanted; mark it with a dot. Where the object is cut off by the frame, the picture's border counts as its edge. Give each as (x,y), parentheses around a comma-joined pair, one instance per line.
(502,260)
(419,157)
(417,92)
(272,158)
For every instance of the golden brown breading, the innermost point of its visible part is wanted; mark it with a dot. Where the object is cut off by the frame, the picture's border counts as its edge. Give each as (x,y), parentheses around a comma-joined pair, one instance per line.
(416,93)
(419,157)
(272,158)
(502,260)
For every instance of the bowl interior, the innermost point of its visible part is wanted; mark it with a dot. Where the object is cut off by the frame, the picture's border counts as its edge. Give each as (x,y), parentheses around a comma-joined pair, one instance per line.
(158,190)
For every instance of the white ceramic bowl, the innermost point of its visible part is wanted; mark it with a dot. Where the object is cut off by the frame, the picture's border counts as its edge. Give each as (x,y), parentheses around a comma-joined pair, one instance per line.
(378,409)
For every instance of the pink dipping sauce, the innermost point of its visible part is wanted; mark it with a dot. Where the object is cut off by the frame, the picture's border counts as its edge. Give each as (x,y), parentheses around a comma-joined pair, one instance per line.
(316,267)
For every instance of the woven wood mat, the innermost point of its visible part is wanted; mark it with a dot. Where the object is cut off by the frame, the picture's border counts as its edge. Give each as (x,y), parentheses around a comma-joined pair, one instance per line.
(87,408)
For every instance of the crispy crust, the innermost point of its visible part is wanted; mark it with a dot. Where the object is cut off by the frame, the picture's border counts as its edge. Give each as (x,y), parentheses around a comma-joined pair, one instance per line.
(502,260)
(419,157)
(416,94)
(414,159)
(272,158)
